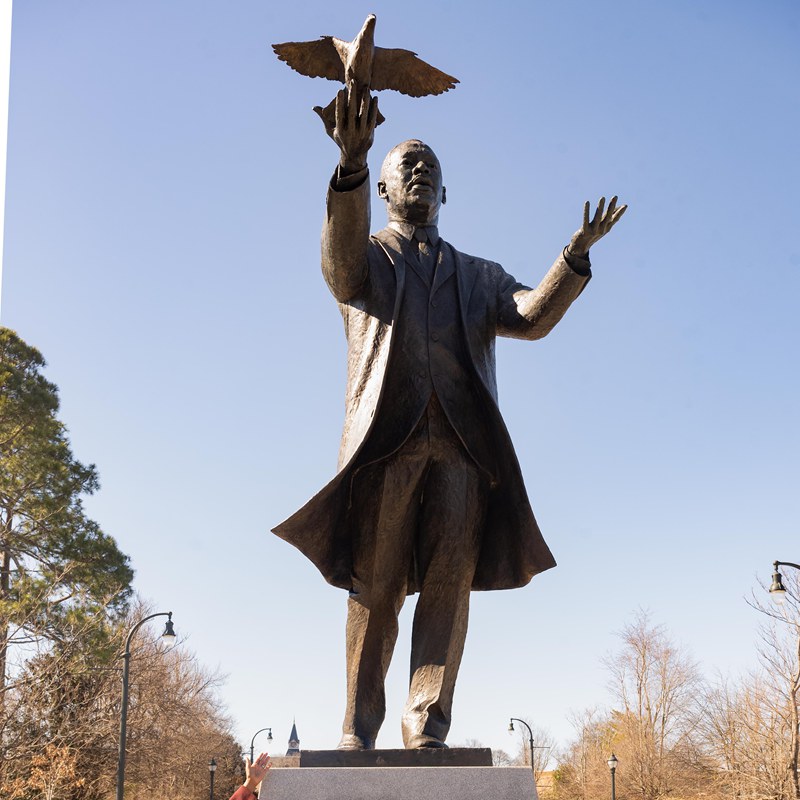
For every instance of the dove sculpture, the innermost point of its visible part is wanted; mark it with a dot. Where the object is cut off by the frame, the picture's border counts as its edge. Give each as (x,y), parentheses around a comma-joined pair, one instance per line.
(360,65)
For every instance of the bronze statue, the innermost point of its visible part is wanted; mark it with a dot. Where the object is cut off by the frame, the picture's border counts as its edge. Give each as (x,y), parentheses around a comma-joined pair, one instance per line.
(429,497)
(362,66)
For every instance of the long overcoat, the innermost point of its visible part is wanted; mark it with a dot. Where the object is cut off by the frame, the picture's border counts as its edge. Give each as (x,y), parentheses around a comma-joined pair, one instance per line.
(491,303)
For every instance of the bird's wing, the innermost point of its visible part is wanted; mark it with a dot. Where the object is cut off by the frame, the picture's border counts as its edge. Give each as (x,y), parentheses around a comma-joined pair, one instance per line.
(317,59)
(404,72)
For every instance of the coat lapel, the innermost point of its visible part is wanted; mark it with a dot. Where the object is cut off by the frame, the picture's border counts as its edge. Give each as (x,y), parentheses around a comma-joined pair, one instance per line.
(412,257)
(392,244)
(398,251)
(417,267)
(445,267)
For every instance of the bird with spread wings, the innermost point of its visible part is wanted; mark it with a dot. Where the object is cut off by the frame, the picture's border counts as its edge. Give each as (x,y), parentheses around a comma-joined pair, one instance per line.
(362,66)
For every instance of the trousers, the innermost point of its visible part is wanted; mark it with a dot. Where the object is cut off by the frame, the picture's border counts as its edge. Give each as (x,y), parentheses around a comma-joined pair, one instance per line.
(421,509)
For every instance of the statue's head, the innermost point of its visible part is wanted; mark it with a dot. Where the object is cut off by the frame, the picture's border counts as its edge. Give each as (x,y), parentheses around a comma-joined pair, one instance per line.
(411,184)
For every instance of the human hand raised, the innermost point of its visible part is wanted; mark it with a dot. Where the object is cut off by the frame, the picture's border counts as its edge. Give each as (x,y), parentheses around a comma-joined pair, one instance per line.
(356,115)
(592,232)
(256,772)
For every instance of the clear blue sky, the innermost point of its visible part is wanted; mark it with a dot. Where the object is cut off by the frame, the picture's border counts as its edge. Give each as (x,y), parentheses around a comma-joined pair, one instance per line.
(165,192)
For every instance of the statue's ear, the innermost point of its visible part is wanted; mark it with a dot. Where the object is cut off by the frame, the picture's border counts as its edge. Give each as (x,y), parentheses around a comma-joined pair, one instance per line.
(444,195)
(382,191)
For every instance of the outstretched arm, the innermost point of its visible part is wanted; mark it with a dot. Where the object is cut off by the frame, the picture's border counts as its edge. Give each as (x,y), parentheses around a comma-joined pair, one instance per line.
(345,234)
(532,313)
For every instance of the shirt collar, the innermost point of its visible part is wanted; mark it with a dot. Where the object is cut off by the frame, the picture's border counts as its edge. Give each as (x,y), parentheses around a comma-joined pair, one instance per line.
(406,230)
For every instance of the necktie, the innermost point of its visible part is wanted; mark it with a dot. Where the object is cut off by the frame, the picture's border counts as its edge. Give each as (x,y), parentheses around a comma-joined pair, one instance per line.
(425,252)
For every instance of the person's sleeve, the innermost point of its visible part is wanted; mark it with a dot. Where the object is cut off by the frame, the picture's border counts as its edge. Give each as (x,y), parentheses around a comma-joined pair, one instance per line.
(345,234)
(526,313)
(347,181)
(243,793)
(580,265)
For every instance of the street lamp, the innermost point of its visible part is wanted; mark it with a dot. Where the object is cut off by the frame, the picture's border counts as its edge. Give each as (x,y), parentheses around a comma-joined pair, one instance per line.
(612,765)
(212,768)
(169,637)
(530,737)
(777,589)
(252,741)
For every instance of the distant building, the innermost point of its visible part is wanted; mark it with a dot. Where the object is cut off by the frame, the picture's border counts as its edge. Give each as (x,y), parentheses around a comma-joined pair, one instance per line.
(294,741)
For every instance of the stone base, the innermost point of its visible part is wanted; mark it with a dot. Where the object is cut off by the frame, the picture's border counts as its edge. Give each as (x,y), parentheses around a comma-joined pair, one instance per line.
(400,783)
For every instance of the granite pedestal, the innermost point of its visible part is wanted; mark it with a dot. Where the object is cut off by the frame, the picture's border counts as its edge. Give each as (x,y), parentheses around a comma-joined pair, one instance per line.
(399,775)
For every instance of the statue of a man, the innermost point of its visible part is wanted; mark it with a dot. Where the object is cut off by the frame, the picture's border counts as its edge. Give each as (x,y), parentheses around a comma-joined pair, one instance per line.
(429,497)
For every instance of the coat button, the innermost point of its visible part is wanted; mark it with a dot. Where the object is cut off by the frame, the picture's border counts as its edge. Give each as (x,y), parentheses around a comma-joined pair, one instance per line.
(435,337)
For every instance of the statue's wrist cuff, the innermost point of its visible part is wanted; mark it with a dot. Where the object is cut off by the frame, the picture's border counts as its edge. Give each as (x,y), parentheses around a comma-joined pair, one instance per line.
(580,265)
(343,181)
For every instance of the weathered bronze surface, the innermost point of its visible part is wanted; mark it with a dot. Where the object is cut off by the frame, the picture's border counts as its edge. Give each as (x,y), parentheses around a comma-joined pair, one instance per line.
(424,757)
(429,497)
(362,66)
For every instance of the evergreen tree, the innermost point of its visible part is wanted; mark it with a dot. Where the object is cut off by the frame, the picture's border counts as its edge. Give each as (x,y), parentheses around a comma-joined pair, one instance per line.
(58,570)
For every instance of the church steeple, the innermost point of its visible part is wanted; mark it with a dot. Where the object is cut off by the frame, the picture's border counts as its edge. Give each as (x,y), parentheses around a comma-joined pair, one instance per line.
(294,741)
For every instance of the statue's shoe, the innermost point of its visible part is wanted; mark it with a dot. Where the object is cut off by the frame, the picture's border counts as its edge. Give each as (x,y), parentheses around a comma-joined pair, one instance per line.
(423,742)
(352,742)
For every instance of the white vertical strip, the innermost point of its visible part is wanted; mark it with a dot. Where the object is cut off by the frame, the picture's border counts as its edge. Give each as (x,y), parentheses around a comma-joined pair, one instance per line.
(5,79)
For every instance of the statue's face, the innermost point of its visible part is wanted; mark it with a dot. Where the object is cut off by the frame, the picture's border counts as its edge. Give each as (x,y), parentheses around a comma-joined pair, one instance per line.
(411,184)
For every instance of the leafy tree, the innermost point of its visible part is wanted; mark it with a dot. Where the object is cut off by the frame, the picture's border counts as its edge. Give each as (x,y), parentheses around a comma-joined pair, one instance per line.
(653,728)
(52,772)
(500,758)
(582,772)
(656,687)
(776,693)
(69,707)
(58,570)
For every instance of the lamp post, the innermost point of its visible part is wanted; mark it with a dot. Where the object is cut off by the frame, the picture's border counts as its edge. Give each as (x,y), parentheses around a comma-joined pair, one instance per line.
(777,589)
(612,765)
(169,637)
(530,738)
(252,741)
(212,768)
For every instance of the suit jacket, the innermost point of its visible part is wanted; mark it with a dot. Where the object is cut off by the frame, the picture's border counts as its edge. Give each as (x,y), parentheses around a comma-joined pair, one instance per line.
(367,277)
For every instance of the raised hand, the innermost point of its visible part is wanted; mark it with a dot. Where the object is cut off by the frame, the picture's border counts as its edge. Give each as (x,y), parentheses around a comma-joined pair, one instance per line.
(256,772)
(354,131)
(601,224)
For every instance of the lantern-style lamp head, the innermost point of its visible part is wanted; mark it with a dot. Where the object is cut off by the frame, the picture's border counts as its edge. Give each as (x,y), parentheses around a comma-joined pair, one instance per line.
(777,590)
(169,631)
(212,765)
(612,762)
(511,726)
